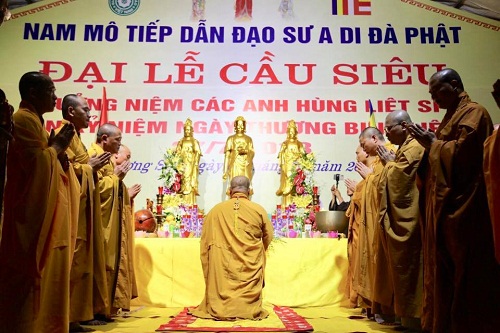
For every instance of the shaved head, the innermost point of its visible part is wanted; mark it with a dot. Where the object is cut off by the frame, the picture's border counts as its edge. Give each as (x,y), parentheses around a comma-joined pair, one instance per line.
(448,75)
(69,100)
(109,137)
(106,129)
(369,139)
(395,126)
(240,184)
(38,89)
(371,131)
(123,155)
(399,116)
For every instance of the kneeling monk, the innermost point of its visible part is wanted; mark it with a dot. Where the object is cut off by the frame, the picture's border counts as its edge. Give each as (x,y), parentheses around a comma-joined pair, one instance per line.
(234,238)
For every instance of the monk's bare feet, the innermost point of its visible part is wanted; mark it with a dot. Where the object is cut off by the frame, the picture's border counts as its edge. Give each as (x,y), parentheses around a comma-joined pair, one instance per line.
(105,318)
(99,319)
(76,327)
(94,322)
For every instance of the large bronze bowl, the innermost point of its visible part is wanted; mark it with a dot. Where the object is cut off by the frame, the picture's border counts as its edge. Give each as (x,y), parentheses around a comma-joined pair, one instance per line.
(333,220)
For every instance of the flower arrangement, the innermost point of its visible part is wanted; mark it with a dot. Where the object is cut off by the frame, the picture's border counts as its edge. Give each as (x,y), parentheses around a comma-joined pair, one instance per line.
(303,179)
(171,172)
(302,216)
(177,216)
(300,213)
(172,200)
(173,216)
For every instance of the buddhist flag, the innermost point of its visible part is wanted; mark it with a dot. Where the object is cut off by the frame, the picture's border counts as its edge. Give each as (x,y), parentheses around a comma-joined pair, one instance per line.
(104,108)
(372,121)
(351,7)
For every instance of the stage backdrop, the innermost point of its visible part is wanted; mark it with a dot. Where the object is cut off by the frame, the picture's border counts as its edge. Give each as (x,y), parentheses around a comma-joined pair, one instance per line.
(315,61)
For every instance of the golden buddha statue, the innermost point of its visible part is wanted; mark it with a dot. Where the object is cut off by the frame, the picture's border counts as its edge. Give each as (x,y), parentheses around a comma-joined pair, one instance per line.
(189,149)
(238,153)
(291,149)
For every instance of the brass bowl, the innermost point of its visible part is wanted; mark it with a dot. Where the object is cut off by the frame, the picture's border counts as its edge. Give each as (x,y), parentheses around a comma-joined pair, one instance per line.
(331,220)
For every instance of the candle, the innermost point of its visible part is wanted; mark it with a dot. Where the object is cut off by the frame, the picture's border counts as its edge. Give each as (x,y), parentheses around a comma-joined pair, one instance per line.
(160,190)
(159,209)
(315,190)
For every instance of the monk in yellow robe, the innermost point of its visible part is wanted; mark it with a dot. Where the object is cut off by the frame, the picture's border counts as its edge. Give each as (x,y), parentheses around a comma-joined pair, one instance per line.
(354,214)
(463,278)
(124,154)
(373,261)
(88,271)
(399,218)
(41,213)
(238,154)
(117,220)
(234,238)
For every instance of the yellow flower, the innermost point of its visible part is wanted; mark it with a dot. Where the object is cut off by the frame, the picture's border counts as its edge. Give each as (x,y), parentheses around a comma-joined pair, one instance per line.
(172,200)
(302,201)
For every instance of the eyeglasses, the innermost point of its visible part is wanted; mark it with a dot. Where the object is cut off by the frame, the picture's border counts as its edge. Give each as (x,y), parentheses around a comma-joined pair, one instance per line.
(389,128)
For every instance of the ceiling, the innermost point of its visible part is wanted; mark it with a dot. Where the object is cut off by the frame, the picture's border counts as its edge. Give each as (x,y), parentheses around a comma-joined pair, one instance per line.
(487,8)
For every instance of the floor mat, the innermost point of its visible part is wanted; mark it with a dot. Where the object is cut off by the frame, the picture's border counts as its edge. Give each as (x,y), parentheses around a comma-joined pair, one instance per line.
(281,319)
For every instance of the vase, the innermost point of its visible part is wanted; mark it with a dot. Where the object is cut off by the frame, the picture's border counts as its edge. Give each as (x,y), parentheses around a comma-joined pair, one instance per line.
(316,234)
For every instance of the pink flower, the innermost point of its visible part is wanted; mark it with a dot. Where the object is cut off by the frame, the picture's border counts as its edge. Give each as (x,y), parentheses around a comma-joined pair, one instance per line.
(299,189)
(176,187)
(299,178)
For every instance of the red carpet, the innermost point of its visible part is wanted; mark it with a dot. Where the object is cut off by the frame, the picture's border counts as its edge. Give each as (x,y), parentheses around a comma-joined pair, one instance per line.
(291,322)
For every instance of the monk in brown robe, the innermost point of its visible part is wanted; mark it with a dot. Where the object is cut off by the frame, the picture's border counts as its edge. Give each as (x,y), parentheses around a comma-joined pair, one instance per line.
(234,238)
(374,282)
(491,168)
(117,221)
(88,288)
(41,213)
(462,277)
(354,214)
(6,111)
(492,179)
(399,217)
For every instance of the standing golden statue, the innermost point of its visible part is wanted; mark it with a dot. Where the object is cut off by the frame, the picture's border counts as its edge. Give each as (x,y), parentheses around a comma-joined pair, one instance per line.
(189,150)
(291,149)
(238,153)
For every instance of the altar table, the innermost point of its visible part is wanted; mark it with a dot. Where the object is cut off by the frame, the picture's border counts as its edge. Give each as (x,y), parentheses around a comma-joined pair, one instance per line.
(300,272)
